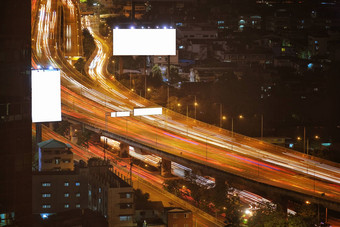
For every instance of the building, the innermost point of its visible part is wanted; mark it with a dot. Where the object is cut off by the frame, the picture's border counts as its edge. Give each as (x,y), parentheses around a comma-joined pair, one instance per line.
(109,194)
(15,113)
(59,187)
(76,217)
(150,213)
(176,216)
(58,191)
(55,156)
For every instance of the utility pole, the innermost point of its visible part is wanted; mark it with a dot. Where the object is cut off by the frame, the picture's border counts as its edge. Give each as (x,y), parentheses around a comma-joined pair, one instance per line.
(220,115)
(168,93)
(261,126)
(187,111)
(195,106)
(304,139)
(145,86)
(232,127)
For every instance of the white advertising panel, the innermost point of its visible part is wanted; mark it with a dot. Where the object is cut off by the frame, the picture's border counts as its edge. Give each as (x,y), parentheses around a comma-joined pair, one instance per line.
(144,42)
(46,101)
(120,114)
(147,111)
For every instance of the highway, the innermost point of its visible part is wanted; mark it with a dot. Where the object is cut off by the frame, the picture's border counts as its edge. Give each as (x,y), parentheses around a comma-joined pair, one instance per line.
(88,99)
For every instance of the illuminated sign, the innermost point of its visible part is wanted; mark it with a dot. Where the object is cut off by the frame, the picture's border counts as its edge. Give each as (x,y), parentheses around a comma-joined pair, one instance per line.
(144,42)
(147,111)
(46,100)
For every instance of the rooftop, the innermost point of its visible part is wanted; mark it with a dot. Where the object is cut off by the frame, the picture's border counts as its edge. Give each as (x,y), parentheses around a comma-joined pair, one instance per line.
(52,143)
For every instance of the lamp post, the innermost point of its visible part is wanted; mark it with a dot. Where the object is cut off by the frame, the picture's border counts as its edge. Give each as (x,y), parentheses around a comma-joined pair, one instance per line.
(221,114)
(195,104)
(232,124)
(304,139)
(145,86)
(168,92)
(261,126)
(187,111)
(147,90)
(232,127)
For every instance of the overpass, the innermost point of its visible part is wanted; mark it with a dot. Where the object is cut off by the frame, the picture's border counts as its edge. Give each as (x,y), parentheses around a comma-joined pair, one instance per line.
(268,191)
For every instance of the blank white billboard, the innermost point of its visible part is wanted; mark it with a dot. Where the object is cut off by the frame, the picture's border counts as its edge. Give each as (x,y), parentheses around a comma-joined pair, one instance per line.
(120,114)
(147,111)
(46,101)
(144,42)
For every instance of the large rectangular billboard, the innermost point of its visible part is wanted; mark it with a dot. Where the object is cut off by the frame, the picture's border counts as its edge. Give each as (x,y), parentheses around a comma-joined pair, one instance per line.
(135,42)
(46,100)
(147,111)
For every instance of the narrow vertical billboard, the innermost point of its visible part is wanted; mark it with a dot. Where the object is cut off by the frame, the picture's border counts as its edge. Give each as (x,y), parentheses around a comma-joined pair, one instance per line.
(144,42)
(46,100)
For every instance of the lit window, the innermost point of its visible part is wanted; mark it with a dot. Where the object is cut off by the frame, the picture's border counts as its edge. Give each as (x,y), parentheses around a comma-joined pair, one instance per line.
(46,206)
(100,190)
(66,184)
(77,183)
(57,161)
(125,206)
(125,195)
(125,218)
(283,49)
(77,205)
(46,195)
(66,195)
(66,205)
(99,200)
(46,184)
(78,194)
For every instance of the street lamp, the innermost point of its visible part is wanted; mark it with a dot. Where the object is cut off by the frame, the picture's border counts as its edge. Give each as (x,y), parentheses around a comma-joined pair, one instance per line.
(223,119)
(261,126)
(221,114)
(195,104)
(147,90)
(232,124)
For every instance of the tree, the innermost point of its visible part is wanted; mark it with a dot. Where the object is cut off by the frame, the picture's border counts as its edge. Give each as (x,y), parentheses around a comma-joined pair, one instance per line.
(103,30)
(88,43)
(84,137)
(268,215)
(79,65)
(141,198)
(63,128)
(174,76)
(173,104)
(156,71)
(171,186)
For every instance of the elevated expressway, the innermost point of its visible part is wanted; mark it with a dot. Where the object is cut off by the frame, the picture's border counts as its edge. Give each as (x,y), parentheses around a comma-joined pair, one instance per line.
(175,137)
